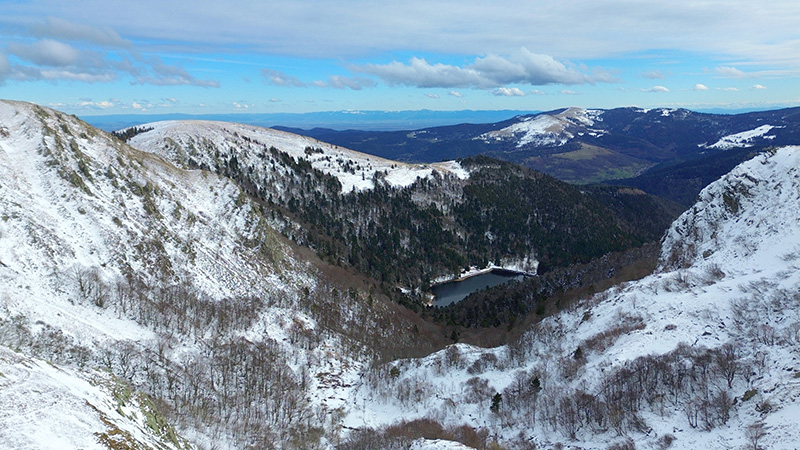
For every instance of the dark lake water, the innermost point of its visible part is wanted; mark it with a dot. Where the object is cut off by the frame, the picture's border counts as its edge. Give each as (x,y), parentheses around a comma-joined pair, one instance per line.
(455,291)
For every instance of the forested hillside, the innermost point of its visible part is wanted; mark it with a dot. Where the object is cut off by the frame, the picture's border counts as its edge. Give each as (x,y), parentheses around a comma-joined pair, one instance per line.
(431,226)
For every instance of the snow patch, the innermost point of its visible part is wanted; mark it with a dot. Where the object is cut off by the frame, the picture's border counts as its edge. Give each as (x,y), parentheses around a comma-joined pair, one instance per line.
(743,139)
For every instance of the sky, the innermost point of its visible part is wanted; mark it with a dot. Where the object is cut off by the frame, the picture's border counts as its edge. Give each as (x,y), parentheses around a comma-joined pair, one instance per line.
(99,57)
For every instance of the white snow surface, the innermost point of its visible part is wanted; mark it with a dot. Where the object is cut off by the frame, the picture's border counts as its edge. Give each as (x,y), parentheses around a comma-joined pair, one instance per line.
(437,444)
(247,140)
(43,406)
(545,129)
(713,256)
(743,139)
(191,221)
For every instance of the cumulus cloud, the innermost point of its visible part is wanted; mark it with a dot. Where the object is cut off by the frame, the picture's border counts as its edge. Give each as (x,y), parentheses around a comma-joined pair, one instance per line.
(654,75)
(508,92)
(103,104)
(65,30)
(455,94)
(656,89)
(492,71)
(756,87)
(732,72)
(51,60)
(278,78)
(46,52)
(700,87)
(169,75)
(354,83)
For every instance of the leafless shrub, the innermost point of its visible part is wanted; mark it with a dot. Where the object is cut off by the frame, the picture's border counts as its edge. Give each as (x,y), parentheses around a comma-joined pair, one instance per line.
(726,362)
(627,444)
(665,441)
(401,435)
(713,274)
(754,433)
(484,362)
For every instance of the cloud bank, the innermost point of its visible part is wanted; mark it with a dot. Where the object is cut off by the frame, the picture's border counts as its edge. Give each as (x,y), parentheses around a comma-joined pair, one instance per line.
(91,55)
(492,71)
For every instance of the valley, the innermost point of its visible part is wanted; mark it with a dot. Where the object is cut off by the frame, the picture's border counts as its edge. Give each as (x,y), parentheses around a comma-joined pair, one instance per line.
(199,284)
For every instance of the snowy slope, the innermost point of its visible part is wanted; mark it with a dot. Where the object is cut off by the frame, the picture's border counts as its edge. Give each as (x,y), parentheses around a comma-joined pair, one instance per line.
(355,171)
(74,202)
(730,275)
(743,139)
(113,258)
(546,129)
(45,406)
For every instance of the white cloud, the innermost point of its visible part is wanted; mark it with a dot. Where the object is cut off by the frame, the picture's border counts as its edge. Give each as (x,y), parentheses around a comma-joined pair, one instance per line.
(757,87)
(431,95)
(46,52)
(456,94)
(732,72)
(656,89)
(538,92)
(105,104)
(508,92)
(63,29)
(5,66)
(278,78)
(569,92)
(341,82)
(241,105)
(169,75)
(85,77)
(492,71)
(728,89)
(654,75)
(700,87)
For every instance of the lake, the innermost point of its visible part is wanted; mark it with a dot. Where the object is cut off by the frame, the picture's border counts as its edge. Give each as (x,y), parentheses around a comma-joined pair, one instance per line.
(455,291)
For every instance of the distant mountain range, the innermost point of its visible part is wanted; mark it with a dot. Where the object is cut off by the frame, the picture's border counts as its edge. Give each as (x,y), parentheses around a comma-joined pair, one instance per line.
(593,145)
(337,120)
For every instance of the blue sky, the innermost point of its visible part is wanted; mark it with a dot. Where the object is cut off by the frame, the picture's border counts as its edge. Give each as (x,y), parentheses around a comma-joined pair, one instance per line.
(208,57)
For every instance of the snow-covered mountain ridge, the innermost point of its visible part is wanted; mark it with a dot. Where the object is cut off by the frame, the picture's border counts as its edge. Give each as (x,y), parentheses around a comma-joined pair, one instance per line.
(591,145)
(546,129)
(354,170)
(114,258)
(701,354)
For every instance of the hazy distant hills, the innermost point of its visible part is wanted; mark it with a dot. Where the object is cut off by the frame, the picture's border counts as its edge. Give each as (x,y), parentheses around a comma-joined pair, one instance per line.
(338,120)
(676,152)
